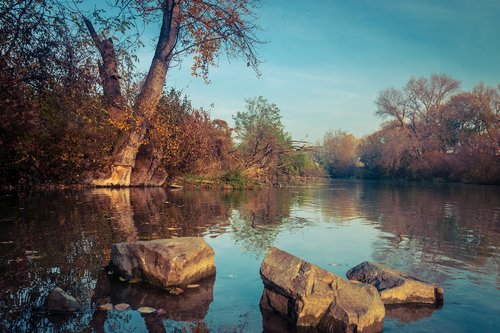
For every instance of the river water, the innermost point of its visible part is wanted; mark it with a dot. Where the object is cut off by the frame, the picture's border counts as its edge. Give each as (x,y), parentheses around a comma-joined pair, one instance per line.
(445,233)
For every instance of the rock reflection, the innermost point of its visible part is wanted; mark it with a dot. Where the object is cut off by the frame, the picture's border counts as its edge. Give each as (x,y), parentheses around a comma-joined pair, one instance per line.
(272,322)
(191,306)
(410,313)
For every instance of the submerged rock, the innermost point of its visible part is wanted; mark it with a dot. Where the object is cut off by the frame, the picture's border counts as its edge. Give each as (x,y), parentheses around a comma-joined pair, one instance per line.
(163,262)
(60,301)
(309,296)
(396,287)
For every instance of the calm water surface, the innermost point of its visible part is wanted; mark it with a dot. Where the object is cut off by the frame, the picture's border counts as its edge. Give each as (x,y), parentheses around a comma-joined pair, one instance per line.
(448,234)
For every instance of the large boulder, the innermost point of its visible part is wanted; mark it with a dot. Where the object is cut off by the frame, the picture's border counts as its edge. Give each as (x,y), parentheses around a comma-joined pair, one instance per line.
(60,301)
(396,287)
(309,296)
(163,262)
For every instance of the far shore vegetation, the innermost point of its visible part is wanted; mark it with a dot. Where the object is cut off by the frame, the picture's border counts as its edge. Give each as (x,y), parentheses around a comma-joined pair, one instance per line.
(75,111)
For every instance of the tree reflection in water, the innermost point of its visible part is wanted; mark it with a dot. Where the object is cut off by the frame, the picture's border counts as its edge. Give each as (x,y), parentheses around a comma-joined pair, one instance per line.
(62,238)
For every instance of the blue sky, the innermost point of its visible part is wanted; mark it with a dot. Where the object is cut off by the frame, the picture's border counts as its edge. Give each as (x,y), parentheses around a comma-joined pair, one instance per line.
(326,61)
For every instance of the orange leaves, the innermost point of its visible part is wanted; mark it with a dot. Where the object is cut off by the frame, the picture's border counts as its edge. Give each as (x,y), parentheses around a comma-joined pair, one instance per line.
(186,138)
(209,27)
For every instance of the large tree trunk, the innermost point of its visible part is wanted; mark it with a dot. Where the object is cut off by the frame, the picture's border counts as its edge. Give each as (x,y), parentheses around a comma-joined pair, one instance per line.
(125,170)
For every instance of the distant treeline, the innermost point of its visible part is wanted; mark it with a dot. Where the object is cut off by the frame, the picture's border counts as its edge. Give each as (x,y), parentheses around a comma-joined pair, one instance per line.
(432,131)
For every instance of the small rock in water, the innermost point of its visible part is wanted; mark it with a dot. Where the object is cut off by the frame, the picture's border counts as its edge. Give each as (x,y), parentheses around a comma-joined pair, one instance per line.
(146,309)
(60,301)
(121,279)
(197,261)
(176,291)
(106,307)
(122,306)
(396,287)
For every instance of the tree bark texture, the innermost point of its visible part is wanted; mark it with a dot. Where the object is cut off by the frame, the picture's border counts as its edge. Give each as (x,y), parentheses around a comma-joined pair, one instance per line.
(130,164)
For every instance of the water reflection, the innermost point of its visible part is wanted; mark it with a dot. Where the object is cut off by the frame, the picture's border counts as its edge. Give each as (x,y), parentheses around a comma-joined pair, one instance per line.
(442,233)
(409,313)
(191,306)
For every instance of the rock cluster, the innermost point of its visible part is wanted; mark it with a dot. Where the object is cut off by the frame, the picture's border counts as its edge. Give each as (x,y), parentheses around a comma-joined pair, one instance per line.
(396,287)
(60,301)
(309,296)
(297,291)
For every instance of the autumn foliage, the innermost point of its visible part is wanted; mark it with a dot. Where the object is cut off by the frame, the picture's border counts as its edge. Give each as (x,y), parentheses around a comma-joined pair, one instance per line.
(431,131)
(187,139)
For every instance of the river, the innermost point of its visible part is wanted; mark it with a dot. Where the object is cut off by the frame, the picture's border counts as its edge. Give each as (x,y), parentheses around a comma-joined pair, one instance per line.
(445,233)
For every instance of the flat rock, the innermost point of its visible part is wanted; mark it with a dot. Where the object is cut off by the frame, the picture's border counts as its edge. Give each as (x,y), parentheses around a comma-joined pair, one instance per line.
(60,301)
(396,287)
(163,262)
(307,295)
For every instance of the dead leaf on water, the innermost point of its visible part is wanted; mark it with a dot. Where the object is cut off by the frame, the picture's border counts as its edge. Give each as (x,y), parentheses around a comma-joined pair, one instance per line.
(146,309)
(135,281)
(106,307)
(192,286)
(122,306)
(34,257)
(121,279)
(176,291)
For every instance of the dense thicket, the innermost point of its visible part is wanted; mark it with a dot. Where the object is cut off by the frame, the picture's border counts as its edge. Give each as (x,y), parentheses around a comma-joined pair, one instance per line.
(52,125)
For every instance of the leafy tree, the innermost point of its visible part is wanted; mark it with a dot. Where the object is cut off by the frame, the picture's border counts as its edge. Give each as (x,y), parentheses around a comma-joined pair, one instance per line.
(386,152)
(200,28)
(338,154)
(263,143)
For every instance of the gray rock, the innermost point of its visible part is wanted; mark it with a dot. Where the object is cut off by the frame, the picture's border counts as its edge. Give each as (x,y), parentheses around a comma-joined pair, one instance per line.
(309,296)
(163,262)
(60,301)
(396,287)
